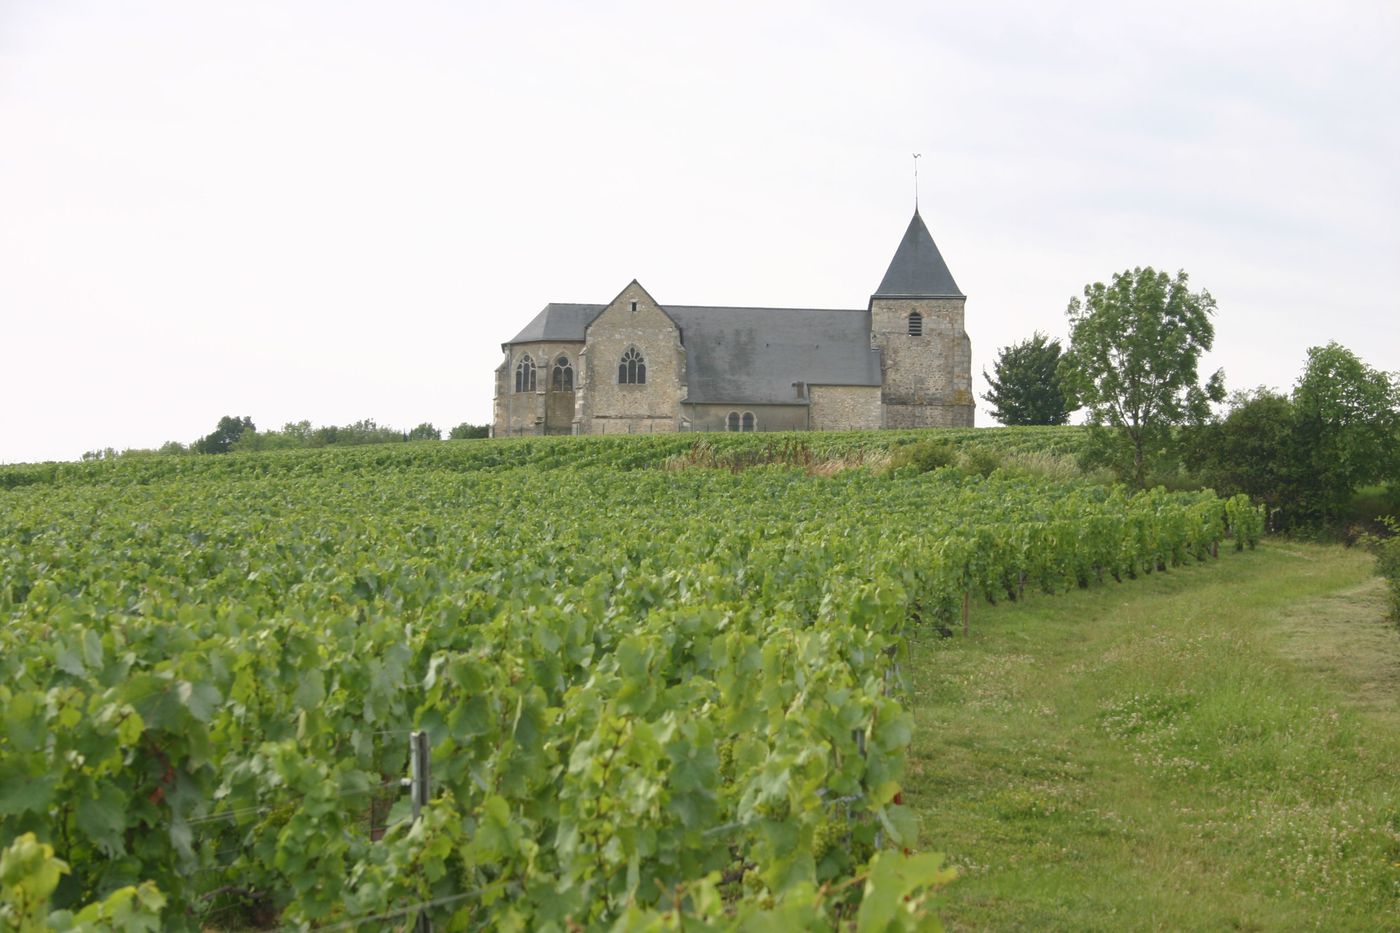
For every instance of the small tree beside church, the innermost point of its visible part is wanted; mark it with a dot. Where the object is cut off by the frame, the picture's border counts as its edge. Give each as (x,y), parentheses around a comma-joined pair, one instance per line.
(1134,348)
(1026,386)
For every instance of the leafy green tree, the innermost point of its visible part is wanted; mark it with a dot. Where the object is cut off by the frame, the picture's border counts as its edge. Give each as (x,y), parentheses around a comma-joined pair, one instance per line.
(425,432)
(298,432)
(1026,387)
(1347,430)
(294,435)
(1306,455)
(223,437)
(365,431)
(1134,348)
(1250,450)
(466,431)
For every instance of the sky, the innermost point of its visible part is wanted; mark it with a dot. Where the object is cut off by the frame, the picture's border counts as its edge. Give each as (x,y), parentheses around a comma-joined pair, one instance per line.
(339,210)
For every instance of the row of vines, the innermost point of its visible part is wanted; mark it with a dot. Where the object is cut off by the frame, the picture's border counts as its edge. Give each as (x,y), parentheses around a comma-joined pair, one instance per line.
(651,695)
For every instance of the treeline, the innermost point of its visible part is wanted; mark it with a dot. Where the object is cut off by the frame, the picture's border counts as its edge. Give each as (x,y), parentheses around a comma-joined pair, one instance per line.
(235,434)
(1308,454)
(1323,456)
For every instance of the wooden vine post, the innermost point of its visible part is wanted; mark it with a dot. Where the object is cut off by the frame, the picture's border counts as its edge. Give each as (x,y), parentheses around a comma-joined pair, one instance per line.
(420,786)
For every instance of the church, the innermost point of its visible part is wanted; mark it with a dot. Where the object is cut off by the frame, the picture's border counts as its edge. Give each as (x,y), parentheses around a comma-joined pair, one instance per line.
(634,365)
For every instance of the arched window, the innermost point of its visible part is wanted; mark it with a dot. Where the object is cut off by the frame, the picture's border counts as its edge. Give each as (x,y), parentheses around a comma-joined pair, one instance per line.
(563,375)
(732,422)
(916,324)
(633,369)
(525,374)
(749,423)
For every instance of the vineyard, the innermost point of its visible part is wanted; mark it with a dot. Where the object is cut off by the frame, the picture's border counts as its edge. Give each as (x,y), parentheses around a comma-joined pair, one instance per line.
(650,691)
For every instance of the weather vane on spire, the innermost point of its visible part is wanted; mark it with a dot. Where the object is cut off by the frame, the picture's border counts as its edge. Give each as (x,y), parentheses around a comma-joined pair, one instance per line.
(916,180)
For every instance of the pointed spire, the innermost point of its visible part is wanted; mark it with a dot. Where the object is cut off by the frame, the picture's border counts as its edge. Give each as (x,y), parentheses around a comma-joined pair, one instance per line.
(918,269)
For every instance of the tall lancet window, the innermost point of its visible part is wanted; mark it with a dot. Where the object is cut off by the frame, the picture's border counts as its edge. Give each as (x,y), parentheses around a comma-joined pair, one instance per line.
(916,324)
(525,374)
(633,369)
(563,375)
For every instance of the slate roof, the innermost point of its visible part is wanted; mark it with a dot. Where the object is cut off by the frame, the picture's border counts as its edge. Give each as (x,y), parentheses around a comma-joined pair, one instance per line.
(558,322)
(754,355)
(918,269)
(746,355)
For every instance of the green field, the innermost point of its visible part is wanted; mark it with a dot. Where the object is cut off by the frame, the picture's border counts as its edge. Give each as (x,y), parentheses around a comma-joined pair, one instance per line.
(652,688)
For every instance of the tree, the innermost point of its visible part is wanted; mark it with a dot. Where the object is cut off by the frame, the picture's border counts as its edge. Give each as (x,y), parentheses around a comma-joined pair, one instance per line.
(1134,347)
(1251,450)
(364,431)
(1026,388)
(425,432)
(466,430)
(298,433)
(221,439)
(1347,432)
(1307,454)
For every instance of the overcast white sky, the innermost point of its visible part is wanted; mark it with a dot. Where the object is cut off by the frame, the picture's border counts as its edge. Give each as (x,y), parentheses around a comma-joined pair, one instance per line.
(335,210)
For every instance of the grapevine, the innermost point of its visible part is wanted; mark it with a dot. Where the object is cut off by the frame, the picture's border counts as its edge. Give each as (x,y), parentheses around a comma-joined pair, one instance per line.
(639,682)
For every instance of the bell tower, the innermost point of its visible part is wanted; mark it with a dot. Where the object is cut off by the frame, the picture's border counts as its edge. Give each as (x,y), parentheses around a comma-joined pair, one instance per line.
(916,322)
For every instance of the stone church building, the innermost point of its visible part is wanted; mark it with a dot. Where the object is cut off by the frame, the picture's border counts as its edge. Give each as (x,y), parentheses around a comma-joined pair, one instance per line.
(636,366)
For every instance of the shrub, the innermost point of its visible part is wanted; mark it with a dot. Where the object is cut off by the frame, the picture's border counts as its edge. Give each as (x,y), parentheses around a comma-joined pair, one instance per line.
(980,460)
(923,456)
(1387,551)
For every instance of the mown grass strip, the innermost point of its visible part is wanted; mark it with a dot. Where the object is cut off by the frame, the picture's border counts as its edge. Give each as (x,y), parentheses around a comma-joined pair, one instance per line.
(1210,748)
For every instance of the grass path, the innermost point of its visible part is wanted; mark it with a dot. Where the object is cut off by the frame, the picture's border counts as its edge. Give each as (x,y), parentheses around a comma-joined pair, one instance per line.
(1214,748)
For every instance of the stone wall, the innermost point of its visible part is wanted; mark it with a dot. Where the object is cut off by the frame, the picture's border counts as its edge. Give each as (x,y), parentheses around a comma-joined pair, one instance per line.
(927,378)
(845,408)
(928,416)
(766,417)
(605,406)
(543,411)
(630,426)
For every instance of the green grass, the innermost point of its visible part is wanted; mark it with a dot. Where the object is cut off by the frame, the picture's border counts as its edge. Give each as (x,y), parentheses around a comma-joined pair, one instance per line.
(1213,748)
